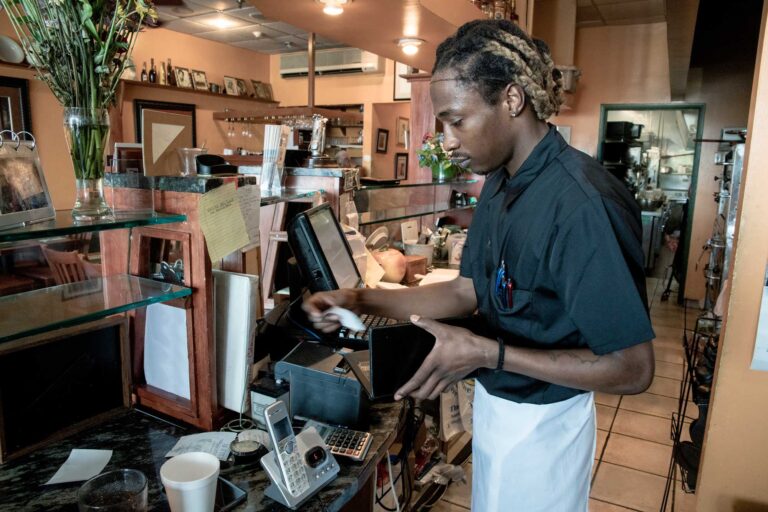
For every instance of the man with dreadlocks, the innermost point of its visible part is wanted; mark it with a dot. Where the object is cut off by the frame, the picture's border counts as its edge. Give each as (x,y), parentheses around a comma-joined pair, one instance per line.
(552,265)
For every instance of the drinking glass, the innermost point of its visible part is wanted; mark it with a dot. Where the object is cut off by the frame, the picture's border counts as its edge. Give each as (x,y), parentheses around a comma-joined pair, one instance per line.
(123,490)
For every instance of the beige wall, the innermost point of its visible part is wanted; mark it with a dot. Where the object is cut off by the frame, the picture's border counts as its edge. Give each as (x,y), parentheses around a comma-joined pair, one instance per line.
(734,468)
(215,58)
(619,64)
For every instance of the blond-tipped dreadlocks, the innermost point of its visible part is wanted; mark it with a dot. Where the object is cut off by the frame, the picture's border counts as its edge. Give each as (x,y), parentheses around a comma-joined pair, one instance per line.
(494,53)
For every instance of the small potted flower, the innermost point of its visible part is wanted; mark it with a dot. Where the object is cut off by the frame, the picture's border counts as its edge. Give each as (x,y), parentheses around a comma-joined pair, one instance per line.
(434,156)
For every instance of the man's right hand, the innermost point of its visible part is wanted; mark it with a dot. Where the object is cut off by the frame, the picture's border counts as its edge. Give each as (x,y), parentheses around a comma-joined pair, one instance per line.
(316,306)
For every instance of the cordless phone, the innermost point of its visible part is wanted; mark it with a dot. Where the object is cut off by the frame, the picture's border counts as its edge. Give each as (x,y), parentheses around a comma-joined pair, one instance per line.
(284,446)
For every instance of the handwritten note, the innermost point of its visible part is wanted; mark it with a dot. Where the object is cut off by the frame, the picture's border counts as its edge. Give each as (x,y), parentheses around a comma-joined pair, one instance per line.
(250,206)
(221,220)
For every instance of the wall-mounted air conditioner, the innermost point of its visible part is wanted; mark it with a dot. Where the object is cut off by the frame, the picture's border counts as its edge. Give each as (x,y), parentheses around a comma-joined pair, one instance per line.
(331,62)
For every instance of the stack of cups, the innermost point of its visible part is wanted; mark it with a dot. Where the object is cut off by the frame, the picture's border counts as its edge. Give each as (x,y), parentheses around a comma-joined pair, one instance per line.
(190,481)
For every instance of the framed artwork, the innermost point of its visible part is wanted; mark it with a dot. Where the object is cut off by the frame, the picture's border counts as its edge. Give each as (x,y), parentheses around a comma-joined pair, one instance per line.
(183,78)
(401,166)
(263,91)
(382,138)
(14,105)
(402,86)
(230,85)
(199,80)
(402,131)
(165,106)
(242,89)
(128,158)
(24,195)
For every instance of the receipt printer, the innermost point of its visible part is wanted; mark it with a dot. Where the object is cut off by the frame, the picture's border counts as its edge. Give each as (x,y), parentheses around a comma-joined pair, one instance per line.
(322,387)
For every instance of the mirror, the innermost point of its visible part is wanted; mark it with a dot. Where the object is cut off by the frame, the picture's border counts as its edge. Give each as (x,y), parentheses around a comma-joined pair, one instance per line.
(14,105)
(653,150)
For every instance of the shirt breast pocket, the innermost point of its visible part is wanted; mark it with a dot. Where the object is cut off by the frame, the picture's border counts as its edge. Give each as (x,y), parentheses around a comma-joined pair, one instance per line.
(515,318)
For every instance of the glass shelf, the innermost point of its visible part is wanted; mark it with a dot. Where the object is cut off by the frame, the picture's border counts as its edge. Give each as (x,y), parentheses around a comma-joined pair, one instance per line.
(424,184)
(43,310)
(64,224)
(407,212)
(287,194)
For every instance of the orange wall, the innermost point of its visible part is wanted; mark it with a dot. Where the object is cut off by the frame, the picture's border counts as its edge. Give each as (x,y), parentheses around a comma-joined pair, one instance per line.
(385,116)
(215,58)
(619,64)
(734,467)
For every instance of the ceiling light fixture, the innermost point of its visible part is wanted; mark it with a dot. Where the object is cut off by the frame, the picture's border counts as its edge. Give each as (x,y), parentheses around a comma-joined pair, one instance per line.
(333,7)
(221,22)
(410,45)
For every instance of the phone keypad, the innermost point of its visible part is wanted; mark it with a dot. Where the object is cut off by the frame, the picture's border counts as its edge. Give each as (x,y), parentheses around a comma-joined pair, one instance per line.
(295,475)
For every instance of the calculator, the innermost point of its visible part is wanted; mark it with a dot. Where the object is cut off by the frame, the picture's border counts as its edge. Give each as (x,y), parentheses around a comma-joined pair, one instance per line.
(343,442)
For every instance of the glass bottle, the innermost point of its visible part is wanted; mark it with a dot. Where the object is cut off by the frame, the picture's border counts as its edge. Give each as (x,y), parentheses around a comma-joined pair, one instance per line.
(163,76)
(152,72)
(144,72)
(171,76)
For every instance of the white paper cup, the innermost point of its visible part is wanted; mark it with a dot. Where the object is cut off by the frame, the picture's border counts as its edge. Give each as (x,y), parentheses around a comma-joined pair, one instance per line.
(426,250)
(190,481)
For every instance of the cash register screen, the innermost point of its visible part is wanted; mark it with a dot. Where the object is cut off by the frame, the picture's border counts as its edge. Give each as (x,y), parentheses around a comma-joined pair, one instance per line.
(322,251)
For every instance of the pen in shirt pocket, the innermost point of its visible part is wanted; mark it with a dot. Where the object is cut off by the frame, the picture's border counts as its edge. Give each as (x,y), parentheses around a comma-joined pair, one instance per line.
(510,289)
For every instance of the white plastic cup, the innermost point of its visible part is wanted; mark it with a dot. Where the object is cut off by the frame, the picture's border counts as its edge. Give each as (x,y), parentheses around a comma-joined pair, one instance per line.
(190,481)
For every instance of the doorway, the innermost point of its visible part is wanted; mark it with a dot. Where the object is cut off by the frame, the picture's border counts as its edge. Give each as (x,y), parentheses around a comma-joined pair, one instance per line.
(653,148)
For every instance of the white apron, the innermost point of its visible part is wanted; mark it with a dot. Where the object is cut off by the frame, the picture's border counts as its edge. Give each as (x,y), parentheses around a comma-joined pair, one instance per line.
(532,458)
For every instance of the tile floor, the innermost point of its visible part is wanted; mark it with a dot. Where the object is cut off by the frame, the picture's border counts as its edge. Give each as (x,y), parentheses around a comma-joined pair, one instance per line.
(633,440)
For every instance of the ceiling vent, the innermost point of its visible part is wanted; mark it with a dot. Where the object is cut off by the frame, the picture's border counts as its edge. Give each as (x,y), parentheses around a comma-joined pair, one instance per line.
(335,61)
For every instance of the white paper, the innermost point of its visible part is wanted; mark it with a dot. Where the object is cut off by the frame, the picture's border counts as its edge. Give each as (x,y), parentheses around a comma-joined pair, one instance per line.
(439,275)
(221,221)
(81,465)
(346,318)
(249,198)
(166,359)
(215,443)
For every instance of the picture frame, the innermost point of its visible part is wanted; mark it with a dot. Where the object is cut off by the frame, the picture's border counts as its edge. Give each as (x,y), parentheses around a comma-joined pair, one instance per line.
(230,85)
(183,78)
(402,87)
(199,80)
(382,139)
(128,158)
(401,166)
(403,125)
(242,88)
(14,105)
(24,195)
(262,90)
(166,106)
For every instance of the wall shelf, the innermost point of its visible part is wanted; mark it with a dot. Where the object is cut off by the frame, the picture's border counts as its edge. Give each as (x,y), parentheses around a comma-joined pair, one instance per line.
(80,302)
(148,85)
(407,212)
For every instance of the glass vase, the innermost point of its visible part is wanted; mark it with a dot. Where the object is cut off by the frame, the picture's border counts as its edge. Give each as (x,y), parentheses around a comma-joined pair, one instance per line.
(86,131)
(442,173)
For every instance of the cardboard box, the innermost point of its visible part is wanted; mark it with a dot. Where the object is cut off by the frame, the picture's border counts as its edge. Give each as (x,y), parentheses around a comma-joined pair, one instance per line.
(414,265)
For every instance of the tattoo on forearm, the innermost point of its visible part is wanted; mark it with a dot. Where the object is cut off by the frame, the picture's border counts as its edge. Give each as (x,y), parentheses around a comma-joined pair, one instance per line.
(555,355)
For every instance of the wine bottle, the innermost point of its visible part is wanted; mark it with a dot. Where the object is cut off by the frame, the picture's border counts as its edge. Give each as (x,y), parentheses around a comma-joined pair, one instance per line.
(152,72)
(144,72)
(170,73)
(163,75)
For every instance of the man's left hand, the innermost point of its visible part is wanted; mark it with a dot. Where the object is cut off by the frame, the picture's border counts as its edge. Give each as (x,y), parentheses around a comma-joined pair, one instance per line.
(456,354)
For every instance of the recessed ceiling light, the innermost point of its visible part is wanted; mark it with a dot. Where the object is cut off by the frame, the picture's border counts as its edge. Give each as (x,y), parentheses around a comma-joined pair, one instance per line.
(410,45)
(221,22)
(256,33)
(333,7)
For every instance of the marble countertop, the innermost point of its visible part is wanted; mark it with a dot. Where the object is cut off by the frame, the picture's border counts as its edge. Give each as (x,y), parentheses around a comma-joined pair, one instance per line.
(198,184)
(140,441)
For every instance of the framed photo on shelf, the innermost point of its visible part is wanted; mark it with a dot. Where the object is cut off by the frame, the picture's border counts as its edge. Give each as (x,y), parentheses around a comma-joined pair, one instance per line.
(14,105)
(199,80)
(242,88)
(183,78)
(402,86)
(263,91)
(401,166)
(402,131)
(230,85)
(382,138)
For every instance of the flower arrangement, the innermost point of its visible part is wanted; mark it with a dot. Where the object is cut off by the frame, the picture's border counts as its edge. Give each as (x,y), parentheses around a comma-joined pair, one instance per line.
(80,48)
(433,155)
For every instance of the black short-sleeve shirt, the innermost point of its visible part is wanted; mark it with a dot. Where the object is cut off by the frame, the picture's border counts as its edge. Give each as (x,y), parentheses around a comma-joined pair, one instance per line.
(569,235)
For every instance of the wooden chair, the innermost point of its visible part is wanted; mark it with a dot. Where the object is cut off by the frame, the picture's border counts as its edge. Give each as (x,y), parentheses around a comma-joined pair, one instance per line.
(67,266)
(92,269)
